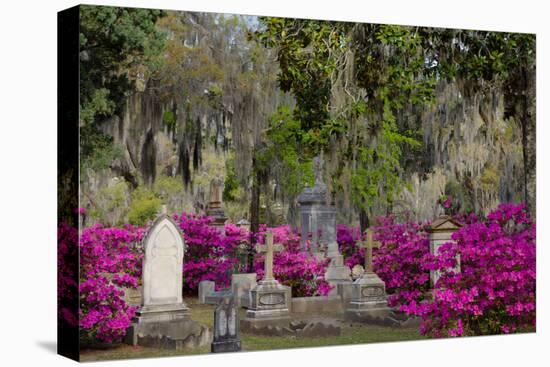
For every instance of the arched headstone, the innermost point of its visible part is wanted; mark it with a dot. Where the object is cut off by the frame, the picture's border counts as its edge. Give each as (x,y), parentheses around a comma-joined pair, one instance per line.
(163,262)
(163,318)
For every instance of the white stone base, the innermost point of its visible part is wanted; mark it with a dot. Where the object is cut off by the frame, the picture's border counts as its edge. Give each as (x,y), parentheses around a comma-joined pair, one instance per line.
(368,302)
(162,313)
(269,305)
(173,335)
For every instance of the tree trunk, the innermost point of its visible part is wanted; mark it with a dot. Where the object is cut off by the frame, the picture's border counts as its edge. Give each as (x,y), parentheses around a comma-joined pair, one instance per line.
(528,139)
(254,212)
(363,220)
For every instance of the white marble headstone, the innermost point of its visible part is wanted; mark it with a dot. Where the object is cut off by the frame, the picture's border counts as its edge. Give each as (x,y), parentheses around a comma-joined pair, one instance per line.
(162,264)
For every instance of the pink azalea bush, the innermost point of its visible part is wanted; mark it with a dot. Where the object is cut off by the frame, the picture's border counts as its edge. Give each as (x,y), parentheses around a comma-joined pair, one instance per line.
(291,267)
(109,261)
(399,261)
(209,253)
(347,238)
(494,292)
(67,275)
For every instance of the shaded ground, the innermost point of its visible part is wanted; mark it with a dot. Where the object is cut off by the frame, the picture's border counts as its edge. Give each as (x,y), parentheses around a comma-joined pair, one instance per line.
(351,334)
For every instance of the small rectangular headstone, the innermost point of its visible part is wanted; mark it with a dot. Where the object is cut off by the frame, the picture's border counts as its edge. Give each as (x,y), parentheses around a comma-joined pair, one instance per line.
(206,287)
(241,284)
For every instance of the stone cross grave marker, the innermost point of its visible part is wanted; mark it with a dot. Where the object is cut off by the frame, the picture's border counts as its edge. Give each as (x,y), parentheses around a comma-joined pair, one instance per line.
(269,248)
(269,301)
(368,302)
(368,245)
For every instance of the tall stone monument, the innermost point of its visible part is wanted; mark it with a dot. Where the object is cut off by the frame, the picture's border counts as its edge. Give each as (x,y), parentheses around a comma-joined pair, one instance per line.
(368,302)
(440,232)
(318,218)
(269,300)
(214,208)
(163,318)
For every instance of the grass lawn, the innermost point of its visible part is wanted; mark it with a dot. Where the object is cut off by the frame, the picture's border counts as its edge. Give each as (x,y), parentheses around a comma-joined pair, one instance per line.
(205,315)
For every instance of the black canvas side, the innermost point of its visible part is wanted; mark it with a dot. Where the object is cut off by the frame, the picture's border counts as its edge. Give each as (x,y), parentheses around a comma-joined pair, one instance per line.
(67,180)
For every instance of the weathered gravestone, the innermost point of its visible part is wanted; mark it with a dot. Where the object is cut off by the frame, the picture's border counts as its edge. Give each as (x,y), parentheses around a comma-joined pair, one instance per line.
(241,286)
(163,319)
(318,218)
(269,300)
(226,327)
(440,232)
(206,287)
(214,208)
(368,302)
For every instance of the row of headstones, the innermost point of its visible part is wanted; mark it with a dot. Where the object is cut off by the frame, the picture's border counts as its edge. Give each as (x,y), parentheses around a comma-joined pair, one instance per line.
(162,305)
(268,302)
(368,295)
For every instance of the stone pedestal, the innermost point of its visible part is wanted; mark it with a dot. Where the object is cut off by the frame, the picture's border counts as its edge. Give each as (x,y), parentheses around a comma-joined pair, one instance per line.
(162,313)
(368,302)
(337,272)
(214,208)
(174,335)
(218,214)
(225,346)
(269,306)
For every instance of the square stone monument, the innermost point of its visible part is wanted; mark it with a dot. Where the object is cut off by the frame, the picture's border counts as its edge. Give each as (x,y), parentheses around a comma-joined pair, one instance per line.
(440,232)
(226,327)
(368,300)
(318,218)
(163,318)
(269,300)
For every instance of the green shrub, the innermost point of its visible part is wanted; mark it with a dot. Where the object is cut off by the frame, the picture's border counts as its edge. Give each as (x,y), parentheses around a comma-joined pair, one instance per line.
(169,119)
(145,206)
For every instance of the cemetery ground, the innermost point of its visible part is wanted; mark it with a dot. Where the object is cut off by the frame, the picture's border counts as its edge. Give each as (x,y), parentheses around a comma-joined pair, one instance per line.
(203,313)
